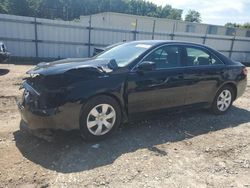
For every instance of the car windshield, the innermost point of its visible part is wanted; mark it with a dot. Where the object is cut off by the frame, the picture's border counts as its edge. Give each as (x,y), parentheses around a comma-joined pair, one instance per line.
(125,53)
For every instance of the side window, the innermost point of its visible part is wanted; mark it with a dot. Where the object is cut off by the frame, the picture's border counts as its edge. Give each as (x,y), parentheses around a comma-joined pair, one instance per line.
(248,33)
(165,57)
(212,29)
(198,57)
(190,28)
(230,31)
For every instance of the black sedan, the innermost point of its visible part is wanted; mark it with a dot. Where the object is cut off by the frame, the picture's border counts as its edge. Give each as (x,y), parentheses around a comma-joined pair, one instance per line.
(97,94)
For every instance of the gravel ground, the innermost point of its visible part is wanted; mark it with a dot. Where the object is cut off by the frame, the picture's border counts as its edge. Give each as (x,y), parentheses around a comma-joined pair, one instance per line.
(184,149)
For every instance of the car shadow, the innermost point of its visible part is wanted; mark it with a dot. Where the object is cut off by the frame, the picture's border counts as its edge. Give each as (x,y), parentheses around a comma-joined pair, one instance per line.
(4,72)
(69,153)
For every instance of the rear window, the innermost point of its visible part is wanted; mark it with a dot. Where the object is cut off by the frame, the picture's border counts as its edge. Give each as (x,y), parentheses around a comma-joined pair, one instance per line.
(199,57)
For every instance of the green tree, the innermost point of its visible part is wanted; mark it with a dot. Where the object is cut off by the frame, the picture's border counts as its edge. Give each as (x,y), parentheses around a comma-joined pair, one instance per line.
(3,6)
(73,9)
(193,16)
(232,25)
(176,14)
(19,7)
(245,25)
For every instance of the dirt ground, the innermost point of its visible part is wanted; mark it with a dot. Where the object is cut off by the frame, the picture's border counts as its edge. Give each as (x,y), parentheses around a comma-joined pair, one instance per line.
(187,149)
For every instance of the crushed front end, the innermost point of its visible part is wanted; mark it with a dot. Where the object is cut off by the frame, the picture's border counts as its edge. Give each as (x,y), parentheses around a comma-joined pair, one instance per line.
(44,104)
(55,92)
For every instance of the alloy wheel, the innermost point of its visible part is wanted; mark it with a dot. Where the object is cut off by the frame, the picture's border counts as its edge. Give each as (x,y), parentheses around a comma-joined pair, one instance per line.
(224,100)
(101,119)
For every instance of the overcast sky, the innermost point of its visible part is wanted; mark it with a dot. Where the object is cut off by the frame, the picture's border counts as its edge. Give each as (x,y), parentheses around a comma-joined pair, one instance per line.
(216,12)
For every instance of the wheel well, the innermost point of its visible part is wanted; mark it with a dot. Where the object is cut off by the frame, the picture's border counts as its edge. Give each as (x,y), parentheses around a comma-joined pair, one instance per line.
(233,86)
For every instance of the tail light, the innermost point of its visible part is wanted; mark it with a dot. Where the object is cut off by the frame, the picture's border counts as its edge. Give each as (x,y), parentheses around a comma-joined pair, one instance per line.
(244,71)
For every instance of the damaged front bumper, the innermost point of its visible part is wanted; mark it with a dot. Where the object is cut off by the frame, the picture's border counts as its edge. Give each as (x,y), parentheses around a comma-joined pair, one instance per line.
(64,117)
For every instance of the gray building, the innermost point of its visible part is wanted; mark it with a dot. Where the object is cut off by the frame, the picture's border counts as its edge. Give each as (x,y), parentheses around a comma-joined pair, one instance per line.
(44,38)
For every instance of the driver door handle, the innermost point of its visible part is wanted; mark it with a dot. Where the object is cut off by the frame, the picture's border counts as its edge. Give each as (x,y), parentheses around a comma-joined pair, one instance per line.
(160,84)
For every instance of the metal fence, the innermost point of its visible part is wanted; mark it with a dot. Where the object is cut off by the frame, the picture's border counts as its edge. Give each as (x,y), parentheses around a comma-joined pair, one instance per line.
(43,38)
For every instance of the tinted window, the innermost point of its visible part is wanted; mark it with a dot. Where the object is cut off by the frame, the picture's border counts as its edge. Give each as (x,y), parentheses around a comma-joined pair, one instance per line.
(198,57)
(230,31)
(165,57)
(190,28)
(2,48)
(248,33)
(212,30)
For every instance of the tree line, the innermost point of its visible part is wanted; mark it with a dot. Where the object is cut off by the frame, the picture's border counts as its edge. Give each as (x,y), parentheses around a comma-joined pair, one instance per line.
(73,9)
(245,25)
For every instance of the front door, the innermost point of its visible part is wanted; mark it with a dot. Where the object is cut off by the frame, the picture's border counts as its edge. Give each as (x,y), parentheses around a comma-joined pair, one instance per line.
(160,88)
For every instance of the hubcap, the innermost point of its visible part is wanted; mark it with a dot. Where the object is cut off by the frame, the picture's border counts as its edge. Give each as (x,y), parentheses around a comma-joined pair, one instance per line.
(101,119)
(224,100)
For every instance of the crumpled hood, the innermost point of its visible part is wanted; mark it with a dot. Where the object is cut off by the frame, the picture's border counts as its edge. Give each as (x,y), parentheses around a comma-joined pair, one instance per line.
(62,66)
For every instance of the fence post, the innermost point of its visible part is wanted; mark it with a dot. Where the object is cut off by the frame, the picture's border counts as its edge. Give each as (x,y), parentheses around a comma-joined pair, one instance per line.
(135,31)
(89,39)
(205,36)
(153,33)
(232,44)
(36,38)
(172,34)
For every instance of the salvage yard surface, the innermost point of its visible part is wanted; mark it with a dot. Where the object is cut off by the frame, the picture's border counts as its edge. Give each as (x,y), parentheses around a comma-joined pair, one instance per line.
(184,149)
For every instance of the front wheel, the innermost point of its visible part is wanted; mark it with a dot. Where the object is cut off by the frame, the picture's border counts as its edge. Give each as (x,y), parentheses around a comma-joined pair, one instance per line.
(223,100)
(100,117)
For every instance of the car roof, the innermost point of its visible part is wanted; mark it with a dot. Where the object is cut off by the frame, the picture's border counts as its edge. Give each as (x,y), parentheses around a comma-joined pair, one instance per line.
(159,42)
(156,43)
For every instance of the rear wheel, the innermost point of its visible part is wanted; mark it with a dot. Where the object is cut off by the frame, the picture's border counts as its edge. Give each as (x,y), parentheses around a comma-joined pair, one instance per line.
(100,117)
(223,100)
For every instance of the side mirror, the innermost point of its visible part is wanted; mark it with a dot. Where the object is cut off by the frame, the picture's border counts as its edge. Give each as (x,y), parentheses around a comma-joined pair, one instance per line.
(146,66)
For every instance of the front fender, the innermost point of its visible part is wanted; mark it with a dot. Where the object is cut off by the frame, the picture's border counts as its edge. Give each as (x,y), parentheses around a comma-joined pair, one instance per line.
(113,86)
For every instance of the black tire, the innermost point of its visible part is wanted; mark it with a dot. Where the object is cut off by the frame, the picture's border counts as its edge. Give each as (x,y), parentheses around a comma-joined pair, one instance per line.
(215,109)
(92,103)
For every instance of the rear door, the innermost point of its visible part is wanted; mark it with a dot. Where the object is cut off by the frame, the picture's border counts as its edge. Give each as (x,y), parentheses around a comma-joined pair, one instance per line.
(160,88)
(203,73)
